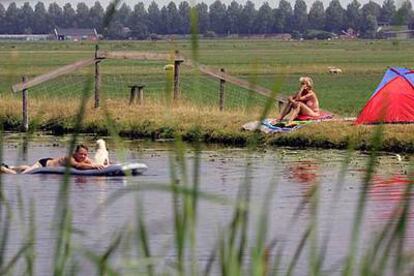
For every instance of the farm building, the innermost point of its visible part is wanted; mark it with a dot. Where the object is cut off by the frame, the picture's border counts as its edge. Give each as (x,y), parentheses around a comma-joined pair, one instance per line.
(395,32)
(76,34)
(406,34)
(26,37)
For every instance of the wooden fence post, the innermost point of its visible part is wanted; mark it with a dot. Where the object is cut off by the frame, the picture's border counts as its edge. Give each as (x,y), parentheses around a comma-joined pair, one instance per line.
(141,94)
(177,63)
(25,123)
(133,94)
(221,93)
(137,91)
(280,106)
(97,78)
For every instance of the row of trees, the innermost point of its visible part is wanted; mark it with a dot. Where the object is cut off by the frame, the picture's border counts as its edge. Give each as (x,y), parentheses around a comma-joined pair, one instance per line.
(216,18)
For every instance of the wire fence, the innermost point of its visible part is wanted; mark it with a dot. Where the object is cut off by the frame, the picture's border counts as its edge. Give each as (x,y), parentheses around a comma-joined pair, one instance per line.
(118,76)
(16,64)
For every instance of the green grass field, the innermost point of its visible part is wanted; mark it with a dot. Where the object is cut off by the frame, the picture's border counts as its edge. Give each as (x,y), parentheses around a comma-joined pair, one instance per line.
(363,63)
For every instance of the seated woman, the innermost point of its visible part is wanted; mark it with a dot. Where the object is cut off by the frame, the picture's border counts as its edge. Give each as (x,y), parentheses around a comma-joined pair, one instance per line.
(305,102)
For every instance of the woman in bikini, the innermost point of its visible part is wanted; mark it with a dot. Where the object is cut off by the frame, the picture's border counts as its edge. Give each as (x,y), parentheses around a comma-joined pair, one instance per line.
(305,102)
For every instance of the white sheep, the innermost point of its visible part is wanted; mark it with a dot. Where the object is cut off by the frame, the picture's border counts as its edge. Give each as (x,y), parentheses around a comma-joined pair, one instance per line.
(334,70)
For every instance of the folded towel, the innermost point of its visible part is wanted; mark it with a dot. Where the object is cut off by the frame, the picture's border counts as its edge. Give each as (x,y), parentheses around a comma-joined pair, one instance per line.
(323,116)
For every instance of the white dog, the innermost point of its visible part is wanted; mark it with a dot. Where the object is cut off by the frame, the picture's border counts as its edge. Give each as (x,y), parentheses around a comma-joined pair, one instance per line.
(101,155)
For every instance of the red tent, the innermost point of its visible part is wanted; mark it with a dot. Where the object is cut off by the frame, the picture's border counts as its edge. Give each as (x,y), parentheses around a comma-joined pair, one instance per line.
(392,101)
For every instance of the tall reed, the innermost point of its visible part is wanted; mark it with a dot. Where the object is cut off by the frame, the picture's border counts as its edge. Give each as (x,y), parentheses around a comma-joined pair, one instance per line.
(235,252)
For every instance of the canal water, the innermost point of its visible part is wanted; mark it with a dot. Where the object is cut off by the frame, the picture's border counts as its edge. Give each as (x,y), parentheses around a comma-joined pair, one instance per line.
(288,174)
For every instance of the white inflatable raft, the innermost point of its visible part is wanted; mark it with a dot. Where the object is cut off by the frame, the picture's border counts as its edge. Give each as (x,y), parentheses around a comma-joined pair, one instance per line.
(112,170)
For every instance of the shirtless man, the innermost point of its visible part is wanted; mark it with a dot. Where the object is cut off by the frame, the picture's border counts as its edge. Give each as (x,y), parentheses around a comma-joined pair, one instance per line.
(305,102)
(6,169)
(78,160)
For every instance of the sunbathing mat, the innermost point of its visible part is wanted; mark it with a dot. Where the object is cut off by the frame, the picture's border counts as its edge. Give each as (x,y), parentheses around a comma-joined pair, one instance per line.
(267,127)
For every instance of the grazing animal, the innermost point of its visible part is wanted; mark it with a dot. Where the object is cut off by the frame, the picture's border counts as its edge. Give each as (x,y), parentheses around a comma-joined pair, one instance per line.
(334,70)
(169,67)
(101,155)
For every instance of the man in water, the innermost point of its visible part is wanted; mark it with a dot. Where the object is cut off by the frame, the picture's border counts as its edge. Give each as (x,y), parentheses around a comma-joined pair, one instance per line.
(78,160)
(4,168)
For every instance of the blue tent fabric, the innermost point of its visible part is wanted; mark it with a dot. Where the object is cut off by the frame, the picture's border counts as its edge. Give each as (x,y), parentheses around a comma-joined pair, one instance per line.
(393,72)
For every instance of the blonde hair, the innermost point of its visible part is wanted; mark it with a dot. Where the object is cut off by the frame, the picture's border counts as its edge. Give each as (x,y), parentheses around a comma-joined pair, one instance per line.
(306,80)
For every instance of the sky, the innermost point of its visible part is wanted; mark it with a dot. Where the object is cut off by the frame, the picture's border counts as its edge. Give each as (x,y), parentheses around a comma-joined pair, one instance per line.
(258,3)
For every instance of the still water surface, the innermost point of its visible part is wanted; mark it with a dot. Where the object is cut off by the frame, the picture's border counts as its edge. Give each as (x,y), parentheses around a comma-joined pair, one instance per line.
(291,173)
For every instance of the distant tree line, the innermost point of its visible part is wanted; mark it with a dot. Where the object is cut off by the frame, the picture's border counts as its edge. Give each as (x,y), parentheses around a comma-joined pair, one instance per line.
(216,19)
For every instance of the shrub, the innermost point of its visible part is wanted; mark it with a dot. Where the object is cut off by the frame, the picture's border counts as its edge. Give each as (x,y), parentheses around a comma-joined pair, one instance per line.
(210,34)
(318,34)
(155,36)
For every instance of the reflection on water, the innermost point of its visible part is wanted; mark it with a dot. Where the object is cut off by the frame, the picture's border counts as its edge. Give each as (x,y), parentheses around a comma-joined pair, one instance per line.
(222,170)
(305,171)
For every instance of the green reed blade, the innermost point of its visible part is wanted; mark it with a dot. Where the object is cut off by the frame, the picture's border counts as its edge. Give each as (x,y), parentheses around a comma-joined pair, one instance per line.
(62,214)
(369,260)
(30,254)
(195,44)
(191,207)
(388,246)
(223,255)
(314,252)
(381,242)
(402,226)
(298,251)
(5,231)
(375,142)
(103,266)
(270,102)
(3,200)
(110,13)
(336,196)
(211,259)
(14,259)
(143,236)
(193,203)
(96,259)
(178,218)
(292,221)
(397,232)
(259,253)
(245,217)
(400,234)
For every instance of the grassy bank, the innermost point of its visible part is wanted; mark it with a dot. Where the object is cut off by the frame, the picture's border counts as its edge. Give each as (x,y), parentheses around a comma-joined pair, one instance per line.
(155,121)
(53,105)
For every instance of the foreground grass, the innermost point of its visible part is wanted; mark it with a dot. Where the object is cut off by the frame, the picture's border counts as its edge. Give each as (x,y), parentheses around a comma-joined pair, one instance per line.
(158,121)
